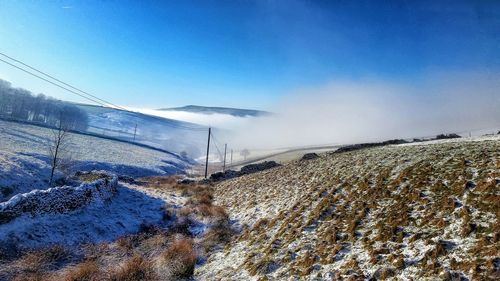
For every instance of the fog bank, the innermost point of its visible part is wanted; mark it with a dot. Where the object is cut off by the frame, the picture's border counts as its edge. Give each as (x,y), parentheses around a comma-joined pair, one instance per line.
(372,110)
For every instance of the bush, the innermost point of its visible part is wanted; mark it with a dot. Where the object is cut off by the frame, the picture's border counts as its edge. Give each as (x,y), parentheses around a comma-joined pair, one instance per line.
(447,136)
(180,258)
(136,268)
(309,156)
(220,233)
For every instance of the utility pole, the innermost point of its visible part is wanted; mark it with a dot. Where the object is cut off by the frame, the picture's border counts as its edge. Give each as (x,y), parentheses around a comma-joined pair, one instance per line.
(135,130)
(224,165)
(231,157)
(208,150)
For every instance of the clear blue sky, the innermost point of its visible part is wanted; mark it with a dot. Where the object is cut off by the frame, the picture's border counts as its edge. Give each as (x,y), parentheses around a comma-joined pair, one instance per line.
(240,53)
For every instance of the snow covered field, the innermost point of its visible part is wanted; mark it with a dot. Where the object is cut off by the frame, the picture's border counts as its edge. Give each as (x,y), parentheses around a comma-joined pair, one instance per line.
(151,229)
(101,221)
(422,211)
(24,162)
(169,134)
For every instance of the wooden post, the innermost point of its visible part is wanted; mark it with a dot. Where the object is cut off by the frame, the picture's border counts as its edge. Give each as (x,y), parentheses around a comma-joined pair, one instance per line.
(135,130)
(208,151)
(224,165)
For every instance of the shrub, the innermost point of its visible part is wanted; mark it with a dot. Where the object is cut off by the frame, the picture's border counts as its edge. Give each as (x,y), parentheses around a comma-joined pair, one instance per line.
(204,197)
(136,268)
(217,213)
(220,233)
(447,136)
(179,259)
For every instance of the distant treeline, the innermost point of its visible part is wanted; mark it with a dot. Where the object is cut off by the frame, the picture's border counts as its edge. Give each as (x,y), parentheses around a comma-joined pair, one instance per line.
(20,104)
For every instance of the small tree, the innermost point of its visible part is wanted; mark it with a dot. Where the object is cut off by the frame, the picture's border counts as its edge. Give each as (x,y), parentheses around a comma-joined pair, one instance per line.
(184,154)
(245,153)
(58,145)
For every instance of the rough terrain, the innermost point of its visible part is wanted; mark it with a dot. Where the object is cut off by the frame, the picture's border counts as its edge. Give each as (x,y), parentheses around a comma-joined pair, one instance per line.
(24,161)
(421,211)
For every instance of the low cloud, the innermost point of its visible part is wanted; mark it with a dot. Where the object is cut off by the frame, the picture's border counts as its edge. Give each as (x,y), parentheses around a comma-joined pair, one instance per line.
(371,110)
(222,121)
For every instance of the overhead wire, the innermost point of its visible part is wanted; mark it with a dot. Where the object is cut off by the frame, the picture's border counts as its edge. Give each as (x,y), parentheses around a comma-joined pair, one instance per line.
(218,150)
(83,94)
(62,82)
(215,141)
(48,81)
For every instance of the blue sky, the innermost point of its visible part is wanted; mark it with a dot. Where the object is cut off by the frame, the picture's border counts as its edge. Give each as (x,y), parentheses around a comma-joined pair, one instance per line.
(240,53)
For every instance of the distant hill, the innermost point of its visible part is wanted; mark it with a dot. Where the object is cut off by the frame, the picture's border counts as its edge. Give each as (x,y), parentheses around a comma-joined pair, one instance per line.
(173,135)
(238,112)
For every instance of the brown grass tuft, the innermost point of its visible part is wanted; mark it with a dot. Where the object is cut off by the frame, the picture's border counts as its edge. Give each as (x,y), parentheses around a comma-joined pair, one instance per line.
(136,268)
(180,258)
(86,271)
(219,234)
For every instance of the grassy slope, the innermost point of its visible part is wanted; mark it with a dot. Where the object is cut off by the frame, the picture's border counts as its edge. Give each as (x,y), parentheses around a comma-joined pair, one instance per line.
(420,211)
(190,227)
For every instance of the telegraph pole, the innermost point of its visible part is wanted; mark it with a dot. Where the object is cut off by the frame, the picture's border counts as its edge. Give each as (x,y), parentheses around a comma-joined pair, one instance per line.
(224,165)
(208,150)
(135,130)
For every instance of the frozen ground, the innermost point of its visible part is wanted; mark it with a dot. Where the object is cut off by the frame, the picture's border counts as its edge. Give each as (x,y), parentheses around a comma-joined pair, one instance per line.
(112,211)
(100,221)
(169,134)
(23,158)
(424,211)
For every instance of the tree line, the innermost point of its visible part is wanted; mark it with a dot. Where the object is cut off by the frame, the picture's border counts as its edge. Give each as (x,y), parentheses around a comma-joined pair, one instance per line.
(22,105)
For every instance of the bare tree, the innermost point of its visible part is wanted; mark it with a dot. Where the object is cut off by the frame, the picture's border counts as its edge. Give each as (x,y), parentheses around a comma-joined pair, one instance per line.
(58,147)
(22,105)
(245,153)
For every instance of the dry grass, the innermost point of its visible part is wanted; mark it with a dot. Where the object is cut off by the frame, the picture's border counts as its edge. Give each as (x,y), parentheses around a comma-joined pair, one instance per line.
(135,268)
(85,271)
(151,254)
(90,177)
(377,201)
(180,258)
(219,234)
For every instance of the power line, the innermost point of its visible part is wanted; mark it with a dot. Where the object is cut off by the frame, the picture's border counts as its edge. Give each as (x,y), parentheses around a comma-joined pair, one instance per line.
(94,99)
(218,150)
(62,82)
(215,141)
(48,81)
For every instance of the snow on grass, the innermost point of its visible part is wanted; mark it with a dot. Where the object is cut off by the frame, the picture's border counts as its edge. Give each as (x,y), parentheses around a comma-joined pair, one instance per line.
(402,212)
(21,173)
(24,162)
(101,220)
(59,199)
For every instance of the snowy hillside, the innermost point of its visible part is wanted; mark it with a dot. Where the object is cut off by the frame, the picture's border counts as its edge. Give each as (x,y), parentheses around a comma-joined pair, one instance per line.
(168,134)
(64,216)
(24,161)
(423,211)
(152,229)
